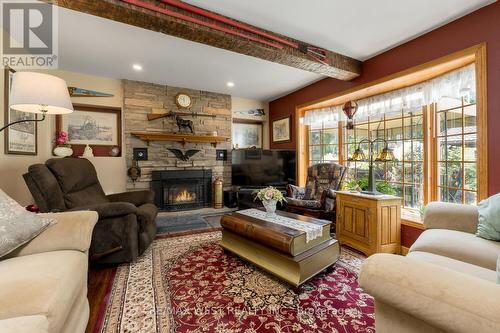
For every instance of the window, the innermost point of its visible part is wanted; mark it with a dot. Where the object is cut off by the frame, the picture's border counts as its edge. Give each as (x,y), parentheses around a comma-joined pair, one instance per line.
(440,148)
(456,141)
(455,169)
(405,136)
(324,144)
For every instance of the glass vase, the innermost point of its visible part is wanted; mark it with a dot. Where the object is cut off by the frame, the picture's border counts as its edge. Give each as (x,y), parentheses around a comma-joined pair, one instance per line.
(270,206)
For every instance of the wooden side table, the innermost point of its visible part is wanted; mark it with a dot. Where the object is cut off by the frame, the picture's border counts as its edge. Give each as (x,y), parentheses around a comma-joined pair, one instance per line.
(369,223)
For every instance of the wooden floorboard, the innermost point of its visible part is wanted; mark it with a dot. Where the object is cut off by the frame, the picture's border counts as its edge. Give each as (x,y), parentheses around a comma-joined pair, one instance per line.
(99,284)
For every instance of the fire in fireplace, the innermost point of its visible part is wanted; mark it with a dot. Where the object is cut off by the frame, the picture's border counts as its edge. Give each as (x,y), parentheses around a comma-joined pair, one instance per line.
(185,196)
(182,190)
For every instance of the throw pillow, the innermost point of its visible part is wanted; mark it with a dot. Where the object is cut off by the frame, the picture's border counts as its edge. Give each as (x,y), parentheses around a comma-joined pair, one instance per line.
(17,226)
(310,192)
(489,218)
(498,270)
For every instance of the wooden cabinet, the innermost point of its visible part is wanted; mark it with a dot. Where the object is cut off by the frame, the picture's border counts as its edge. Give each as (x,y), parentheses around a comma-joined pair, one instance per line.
(369,223)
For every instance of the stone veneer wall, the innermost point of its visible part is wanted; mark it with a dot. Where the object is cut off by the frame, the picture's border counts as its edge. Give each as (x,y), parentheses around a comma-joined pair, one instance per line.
(141,98)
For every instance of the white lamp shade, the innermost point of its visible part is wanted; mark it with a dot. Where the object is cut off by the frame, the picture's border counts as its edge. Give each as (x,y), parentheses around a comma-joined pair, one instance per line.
(34,92)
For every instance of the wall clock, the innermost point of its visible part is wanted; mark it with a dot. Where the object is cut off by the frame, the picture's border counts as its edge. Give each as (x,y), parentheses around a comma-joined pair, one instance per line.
(183,100)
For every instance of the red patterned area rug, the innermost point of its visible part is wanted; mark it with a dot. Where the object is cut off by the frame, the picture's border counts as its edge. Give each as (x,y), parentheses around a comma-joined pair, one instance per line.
(189,284)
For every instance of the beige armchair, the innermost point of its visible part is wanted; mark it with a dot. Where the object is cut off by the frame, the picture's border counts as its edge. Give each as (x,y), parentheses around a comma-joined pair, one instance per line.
(43,284)
(447,282)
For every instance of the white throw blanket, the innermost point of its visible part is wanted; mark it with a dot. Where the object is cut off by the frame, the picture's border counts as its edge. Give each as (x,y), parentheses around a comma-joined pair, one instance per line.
(312,230)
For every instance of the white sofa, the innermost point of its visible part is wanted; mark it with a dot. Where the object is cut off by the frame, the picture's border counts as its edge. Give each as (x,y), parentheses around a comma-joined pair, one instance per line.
(43,284)
(446,283)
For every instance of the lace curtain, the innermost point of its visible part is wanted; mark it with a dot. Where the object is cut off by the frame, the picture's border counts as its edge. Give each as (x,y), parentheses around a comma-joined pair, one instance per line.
(456,84)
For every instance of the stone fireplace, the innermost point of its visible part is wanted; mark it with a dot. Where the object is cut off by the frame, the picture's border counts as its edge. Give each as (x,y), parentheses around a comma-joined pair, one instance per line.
(179,184)
(182,190)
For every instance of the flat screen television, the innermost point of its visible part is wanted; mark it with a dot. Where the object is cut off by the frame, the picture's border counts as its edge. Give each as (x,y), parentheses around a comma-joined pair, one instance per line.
(255,168)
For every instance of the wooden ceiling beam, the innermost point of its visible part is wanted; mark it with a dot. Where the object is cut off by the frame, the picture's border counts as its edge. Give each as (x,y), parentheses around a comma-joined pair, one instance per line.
(153,15)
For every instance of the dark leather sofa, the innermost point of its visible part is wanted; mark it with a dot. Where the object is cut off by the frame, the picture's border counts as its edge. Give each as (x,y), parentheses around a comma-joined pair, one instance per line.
(126,225)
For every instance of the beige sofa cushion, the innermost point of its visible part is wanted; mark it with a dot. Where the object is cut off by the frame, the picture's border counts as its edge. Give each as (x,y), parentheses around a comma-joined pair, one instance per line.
(73,231)
(42,284)
(26,324)
(443,298)
(456,265)
(460,246)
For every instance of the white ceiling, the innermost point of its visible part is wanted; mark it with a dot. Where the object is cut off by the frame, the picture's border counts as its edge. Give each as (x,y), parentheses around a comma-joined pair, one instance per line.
(358,28)
(92,45)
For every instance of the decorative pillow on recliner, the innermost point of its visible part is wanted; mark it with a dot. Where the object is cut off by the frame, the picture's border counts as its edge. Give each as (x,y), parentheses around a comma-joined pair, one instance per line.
(18,226)
(489,218)
(310,193)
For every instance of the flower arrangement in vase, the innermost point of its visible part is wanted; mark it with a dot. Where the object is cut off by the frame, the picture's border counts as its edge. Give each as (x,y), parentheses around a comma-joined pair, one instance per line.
(269,196)
(62,148)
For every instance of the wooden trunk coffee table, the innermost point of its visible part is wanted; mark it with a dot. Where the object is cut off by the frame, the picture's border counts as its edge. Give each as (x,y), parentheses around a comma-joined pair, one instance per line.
(278,246)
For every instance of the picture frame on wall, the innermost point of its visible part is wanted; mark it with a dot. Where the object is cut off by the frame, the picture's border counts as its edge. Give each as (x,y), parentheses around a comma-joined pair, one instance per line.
(282,130)
(100,127)
(247,134)
(22,138)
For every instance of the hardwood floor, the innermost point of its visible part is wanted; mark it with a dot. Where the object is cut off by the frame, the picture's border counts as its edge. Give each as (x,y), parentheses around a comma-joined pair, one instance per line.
(99,285)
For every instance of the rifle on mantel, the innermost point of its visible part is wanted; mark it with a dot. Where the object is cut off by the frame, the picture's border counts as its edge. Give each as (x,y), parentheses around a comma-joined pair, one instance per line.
(154,116)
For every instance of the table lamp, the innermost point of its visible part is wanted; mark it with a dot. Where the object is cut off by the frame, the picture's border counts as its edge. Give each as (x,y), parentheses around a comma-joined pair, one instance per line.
(38,93)
(386,155)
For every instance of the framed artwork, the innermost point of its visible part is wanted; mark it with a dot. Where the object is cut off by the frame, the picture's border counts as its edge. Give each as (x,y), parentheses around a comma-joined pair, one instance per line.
(100,127)
(20,139)
(253,114)
(247,134)
(282,129)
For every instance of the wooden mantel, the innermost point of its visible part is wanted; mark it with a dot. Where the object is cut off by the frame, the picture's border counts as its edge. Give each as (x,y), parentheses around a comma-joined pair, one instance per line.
(182,138)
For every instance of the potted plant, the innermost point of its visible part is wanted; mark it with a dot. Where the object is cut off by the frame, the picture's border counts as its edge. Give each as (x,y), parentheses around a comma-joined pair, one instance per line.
(62,148)
(269,196)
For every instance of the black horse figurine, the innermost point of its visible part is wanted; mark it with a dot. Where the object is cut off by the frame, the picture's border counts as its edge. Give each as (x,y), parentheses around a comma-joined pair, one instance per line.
(184,123)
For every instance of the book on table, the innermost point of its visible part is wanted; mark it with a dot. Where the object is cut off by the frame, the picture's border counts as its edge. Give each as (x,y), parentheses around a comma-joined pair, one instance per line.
(282,238)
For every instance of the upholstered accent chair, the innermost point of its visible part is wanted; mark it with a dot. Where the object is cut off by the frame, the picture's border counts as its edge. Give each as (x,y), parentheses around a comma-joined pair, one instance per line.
(318,197)
(126,223)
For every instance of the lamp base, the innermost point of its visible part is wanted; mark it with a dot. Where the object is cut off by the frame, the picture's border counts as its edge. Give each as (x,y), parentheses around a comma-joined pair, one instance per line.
(371,192)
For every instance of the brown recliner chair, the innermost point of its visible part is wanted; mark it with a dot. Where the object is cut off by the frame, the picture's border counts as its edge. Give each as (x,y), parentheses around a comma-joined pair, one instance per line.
(126,223)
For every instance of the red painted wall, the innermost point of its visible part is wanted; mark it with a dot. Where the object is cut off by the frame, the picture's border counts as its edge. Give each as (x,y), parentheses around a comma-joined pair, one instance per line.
(480,26)
(409,235)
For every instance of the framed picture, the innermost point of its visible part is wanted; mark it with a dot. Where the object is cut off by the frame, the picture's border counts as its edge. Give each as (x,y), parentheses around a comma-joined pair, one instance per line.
(97,126)
(20,139)
(282,129)
(247,133)
(252,114)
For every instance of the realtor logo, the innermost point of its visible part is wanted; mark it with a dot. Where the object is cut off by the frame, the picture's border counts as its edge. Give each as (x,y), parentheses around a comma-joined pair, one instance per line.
(30,34)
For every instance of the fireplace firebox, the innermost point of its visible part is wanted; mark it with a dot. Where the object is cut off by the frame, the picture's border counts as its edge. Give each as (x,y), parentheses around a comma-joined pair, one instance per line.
(182,190)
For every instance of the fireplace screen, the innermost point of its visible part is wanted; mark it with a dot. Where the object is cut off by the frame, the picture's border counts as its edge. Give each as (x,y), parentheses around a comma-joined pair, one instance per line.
(182,190)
